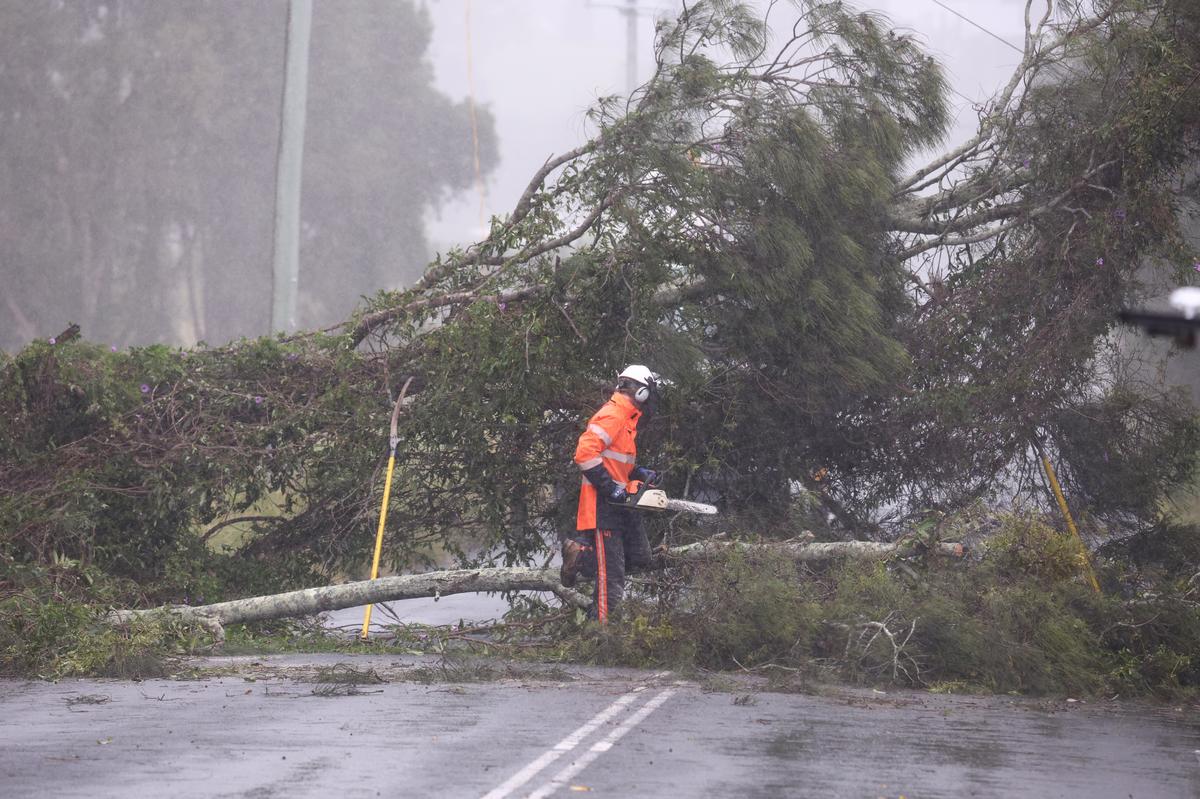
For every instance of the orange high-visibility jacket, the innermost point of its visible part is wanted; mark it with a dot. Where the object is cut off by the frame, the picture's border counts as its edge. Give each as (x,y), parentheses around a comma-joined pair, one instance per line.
(610,438)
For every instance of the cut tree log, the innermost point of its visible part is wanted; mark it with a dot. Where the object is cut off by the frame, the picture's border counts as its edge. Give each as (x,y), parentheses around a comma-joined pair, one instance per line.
(310,601)
(808,552)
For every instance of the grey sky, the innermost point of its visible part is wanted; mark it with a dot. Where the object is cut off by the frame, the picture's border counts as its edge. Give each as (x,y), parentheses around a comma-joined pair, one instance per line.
(539,64)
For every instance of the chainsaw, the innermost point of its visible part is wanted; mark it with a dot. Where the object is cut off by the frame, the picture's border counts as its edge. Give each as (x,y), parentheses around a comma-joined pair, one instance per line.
(641,497)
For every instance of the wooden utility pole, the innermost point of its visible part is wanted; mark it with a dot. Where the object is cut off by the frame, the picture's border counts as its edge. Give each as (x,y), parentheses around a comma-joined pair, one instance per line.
(631,15)
(289,167)
(631,11)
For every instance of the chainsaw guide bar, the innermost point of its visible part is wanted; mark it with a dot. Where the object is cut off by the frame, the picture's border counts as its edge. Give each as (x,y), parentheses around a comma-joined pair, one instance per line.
(655,499)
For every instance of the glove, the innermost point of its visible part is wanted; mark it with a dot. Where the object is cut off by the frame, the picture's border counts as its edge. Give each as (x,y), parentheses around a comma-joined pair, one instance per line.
(648,476)
(605,485)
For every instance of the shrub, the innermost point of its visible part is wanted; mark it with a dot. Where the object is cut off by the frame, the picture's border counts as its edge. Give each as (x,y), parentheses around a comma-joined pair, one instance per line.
(51,627)
(750,611)
(1026,547)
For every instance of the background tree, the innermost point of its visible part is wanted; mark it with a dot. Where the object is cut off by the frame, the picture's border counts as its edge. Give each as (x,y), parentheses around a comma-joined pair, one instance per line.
(142,136)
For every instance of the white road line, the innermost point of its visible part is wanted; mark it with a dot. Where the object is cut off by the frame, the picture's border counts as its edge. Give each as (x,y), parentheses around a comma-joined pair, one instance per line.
(565,745)
(602,746)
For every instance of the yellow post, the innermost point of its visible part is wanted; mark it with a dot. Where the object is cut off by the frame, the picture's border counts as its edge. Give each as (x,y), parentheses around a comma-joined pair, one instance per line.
(1062,504)
(387,494)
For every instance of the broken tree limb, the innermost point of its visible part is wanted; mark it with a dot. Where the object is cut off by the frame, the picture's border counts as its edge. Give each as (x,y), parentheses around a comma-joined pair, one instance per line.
(808,552)
(309,601)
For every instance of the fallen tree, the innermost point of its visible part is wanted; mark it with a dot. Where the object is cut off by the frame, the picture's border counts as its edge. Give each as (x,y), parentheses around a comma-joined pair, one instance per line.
(309,601)
(894,345)
(1019,618)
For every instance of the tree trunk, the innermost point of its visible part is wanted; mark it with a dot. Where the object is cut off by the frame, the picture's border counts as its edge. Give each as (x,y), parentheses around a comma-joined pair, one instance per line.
(808,552)
(309,601)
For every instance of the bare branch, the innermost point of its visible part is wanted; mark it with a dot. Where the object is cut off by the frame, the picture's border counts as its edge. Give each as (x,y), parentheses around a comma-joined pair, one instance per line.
(373,321)
(997,110)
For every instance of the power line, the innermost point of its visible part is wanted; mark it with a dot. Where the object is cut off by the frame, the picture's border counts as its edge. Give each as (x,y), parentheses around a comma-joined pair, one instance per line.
(971,22)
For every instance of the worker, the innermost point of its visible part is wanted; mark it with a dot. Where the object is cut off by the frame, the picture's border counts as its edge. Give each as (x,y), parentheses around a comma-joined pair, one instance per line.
(609,540)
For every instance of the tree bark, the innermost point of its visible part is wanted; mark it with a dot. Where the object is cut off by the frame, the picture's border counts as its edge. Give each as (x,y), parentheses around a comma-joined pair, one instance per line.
(309,601)
(808,552)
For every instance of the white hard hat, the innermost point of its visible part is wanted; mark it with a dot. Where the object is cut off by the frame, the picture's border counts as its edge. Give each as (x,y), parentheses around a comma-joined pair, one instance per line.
(640,374)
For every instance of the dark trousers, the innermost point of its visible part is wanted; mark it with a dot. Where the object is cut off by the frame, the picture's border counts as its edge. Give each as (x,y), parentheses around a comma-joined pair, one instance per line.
(608,555)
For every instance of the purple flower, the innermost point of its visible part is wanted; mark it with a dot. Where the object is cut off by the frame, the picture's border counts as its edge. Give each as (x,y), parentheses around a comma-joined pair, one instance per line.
(1119,213)
(1196,266)
(52,341)
(503,306)
(1027,163)
(145,388)
(113,348)
(1099,262)
(258,400)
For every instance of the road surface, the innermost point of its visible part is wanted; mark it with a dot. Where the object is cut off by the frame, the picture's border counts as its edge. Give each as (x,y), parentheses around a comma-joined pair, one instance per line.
(267,730)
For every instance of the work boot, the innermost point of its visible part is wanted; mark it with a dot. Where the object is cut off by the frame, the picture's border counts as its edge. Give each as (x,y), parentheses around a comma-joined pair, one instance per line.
(568,574)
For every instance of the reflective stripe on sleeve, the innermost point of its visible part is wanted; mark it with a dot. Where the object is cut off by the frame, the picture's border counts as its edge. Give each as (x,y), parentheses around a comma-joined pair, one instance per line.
(589,463)
(618,456)
(601,432)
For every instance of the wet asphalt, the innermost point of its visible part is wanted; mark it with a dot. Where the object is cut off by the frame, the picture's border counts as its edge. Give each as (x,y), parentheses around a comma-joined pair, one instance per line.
(261,728)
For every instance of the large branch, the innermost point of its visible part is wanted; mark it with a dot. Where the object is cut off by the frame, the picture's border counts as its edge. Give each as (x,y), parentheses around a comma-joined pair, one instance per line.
(967,222)
(809,552)
(374,320)
(520,211)
(994,115)
(309,601)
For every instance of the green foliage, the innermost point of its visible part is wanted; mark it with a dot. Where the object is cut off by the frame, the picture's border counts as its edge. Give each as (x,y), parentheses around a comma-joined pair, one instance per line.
(1165,553)
(51,627)
(1020,620)
(751,611)
(642,639)
(1010,339)
(121,458)
(734,224)
(1026,547)
(289,635)
(1126,451)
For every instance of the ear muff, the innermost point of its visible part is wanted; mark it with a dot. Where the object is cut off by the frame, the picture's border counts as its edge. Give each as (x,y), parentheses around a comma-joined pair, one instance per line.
(642,394)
